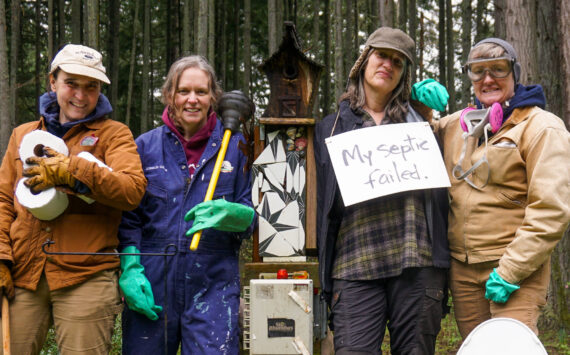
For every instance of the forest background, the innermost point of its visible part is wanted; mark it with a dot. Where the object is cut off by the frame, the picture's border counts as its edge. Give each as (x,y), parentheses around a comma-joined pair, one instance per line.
(140,39)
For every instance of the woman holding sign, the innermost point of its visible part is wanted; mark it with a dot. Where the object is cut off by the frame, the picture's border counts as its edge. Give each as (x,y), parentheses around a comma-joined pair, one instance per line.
(508,163)
(383,261)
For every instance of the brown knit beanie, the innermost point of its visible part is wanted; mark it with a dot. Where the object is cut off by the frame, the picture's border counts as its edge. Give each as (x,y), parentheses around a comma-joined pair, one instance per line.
(385,37)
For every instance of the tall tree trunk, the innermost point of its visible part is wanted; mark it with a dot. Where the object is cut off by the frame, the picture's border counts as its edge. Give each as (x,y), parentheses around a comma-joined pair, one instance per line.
(553,25)
(223,43)
(538,35)
(316,47)
(373,12)
(386,13)
(187,27)
(145,93)
(92,20)
(114,17)
(76,29)
(441,43)
(347,41)
(412,18)
(564,45)
(202,38)
(38,53)
(480,28)
(521,33)
(402,13)
(246,46)
(61,23)
(272,24)
(279,21)
(235,68)
(211,30)
(500,18)
(466,14)
(338,45)
(132,64)
(50,29)
(16,15)
(450,56)
(169,28)
(327,58)
(421,48)
(5,119)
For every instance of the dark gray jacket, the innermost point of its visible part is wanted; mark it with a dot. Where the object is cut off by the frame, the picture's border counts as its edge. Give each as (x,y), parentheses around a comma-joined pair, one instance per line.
(329,202)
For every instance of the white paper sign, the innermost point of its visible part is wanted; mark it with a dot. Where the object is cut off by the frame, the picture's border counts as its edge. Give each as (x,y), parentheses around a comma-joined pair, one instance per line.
(382,160)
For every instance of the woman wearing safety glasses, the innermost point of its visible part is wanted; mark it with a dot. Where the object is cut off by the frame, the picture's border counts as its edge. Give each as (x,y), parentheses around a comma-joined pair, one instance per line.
(509,166)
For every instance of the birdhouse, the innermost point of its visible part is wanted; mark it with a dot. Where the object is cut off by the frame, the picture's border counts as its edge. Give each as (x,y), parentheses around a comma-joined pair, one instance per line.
(293,79)
(284,188)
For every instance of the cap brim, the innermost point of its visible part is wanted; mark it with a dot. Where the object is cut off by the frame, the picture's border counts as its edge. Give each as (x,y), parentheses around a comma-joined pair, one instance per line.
(391,46)
(85,71)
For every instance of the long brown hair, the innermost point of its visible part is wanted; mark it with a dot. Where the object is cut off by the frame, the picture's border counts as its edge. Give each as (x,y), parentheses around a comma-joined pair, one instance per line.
(396,108)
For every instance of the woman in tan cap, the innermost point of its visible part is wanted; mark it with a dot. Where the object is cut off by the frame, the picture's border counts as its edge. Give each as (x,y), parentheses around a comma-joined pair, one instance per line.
(77,294)
(383,261)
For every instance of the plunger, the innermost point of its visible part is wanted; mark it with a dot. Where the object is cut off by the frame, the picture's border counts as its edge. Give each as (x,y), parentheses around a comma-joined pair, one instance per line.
(233,105)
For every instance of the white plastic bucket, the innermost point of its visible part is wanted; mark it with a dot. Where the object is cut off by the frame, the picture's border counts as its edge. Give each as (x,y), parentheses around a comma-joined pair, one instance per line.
(504,336)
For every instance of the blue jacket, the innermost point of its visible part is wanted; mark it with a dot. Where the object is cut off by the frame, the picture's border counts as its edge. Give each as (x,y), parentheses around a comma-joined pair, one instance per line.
(330,209)
(159,220)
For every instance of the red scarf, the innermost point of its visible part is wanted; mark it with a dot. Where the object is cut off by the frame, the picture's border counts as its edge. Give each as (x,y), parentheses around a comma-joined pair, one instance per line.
(194,147)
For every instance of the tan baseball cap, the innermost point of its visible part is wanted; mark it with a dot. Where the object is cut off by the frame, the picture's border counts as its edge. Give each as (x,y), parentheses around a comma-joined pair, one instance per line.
(80,60)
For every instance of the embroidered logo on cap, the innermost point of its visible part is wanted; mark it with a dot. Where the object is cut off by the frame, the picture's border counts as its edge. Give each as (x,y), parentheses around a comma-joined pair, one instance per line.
(89,141)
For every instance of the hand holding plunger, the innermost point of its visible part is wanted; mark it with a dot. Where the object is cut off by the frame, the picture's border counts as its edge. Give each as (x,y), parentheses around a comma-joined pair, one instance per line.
(232,106)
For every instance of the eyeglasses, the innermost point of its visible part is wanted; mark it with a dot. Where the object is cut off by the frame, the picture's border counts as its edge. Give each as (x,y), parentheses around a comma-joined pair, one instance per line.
(496,67)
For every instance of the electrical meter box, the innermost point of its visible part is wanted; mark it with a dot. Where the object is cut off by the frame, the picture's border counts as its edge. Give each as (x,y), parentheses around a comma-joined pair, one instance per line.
(278,317)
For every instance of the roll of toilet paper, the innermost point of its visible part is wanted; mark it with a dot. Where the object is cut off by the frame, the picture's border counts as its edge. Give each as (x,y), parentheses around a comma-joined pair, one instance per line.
(91,157)
(46,205)
(34,141)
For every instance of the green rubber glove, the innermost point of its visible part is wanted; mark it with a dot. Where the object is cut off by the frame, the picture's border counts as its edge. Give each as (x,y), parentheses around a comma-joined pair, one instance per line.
(135,286)
(497,289)
(221,215)
(430,93)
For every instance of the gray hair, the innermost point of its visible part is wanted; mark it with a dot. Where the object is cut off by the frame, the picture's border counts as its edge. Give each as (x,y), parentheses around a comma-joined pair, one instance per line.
(176,70)
(486,50)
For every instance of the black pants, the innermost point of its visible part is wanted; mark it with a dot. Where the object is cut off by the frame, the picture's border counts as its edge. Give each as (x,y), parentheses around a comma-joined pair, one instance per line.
(409,304)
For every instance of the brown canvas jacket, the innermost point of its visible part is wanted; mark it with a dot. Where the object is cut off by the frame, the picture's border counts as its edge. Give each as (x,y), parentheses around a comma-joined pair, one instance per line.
(524,210)
(82,227)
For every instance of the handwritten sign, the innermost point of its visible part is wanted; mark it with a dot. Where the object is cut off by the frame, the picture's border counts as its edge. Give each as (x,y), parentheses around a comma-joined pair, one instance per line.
(383,160)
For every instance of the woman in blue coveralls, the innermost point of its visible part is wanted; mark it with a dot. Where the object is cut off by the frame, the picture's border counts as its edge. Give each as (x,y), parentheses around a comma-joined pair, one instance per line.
(203,285)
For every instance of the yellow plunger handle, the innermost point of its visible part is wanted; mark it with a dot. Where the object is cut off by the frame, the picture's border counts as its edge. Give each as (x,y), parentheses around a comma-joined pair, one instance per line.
(213,181)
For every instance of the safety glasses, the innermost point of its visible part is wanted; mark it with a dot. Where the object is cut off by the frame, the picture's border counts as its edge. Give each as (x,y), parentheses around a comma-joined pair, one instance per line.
(496,67)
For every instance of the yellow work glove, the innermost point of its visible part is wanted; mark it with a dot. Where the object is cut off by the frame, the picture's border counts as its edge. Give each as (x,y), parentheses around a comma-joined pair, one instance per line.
(49,171)
(6,284)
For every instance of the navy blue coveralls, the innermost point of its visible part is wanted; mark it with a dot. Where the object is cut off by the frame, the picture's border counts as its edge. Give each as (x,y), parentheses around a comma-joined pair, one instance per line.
(203,286)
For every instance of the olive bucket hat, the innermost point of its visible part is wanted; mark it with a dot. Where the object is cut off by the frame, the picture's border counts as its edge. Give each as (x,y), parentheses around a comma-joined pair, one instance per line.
(385,37)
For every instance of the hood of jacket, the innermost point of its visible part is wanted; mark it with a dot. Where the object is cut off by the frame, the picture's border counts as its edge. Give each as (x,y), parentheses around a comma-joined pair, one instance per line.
(49,109)
(525,96)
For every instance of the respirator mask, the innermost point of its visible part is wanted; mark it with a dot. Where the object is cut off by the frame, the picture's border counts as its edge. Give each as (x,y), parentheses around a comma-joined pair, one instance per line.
(476,124)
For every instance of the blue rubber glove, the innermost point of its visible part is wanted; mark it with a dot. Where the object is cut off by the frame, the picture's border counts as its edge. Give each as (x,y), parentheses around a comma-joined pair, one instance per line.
(430,93)
(135,285)
(497,289)
(221,215)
